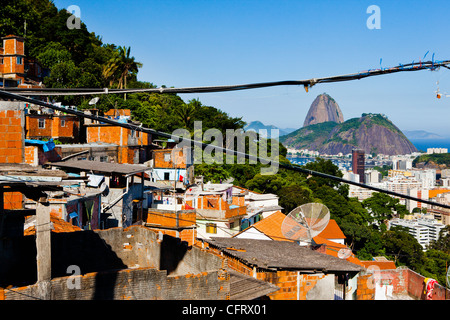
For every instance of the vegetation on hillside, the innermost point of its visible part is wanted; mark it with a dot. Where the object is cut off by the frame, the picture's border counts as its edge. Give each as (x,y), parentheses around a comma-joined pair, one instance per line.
(435,158)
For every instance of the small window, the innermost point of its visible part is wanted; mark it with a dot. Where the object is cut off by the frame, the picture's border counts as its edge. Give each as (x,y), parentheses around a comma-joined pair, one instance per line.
(63,123)
(41,123)
(104,159)
(166,157)
(211,228)
(19,60)
(166,176)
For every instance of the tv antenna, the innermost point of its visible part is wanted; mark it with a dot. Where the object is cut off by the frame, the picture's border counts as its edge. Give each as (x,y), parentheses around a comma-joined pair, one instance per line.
(305,222)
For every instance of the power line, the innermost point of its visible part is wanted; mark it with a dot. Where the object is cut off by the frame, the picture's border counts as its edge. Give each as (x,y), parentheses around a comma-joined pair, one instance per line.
(201,144)
(308,83)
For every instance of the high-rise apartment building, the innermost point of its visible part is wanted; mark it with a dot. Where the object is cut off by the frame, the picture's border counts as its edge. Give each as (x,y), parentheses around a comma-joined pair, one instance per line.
(358,162)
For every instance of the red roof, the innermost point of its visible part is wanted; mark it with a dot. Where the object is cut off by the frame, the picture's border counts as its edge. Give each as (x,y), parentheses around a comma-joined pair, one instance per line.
(271,226)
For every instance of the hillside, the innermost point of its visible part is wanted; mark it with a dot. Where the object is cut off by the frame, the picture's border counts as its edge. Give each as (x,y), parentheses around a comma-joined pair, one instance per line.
(373,133)
(433,161)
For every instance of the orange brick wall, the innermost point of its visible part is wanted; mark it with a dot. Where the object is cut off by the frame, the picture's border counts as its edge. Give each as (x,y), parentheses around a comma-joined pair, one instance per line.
(366,288)
(12,200)
(187,235)
(118,112)
(12,47)
(32,125)
(168,219)
(31,155)
(53,128)
(113,134)
(12,142)
(12,149)
(158,158)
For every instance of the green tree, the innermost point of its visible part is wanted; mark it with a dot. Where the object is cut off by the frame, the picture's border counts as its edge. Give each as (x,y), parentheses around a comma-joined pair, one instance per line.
(212,172)
(265,183)
(443,243)
(403,248)
(384,207)
(294,195)
(127,66)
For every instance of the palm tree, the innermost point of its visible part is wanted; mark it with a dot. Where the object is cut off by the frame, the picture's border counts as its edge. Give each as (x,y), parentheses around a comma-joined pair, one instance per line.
(185,113)
(120,67)
(127,66)
(110,69)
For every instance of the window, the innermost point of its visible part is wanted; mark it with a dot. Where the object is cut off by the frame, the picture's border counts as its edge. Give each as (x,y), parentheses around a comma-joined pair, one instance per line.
(166,175)
(211,228)
(19,60)
(166,157)
(104,159)
(63,123)
(41,123)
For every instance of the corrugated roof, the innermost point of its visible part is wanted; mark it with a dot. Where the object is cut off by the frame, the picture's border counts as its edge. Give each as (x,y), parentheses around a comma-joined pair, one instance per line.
(243,287)
(98,166)
(269,254)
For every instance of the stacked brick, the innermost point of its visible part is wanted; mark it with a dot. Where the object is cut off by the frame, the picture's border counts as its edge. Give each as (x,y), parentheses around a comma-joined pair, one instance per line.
(12,147)
(366,288)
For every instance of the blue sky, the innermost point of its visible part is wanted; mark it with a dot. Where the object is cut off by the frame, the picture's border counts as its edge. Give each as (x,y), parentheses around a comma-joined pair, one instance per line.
(202,43)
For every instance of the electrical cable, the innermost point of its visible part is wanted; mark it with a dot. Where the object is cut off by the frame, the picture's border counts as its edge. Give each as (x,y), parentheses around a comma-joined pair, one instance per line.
(201,144)
(414,66)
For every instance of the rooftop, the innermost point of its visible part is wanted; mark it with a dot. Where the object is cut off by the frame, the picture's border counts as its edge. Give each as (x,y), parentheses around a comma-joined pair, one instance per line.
(268,254)
(105,167)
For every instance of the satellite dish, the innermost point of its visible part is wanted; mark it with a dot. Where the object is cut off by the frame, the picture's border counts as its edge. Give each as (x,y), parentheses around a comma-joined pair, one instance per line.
(344,253)
(305,222)
(104,189)
(94,101)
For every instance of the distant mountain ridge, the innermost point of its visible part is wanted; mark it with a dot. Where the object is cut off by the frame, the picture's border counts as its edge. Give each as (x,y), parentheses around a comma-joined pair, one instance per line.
(421,134)
(258,125)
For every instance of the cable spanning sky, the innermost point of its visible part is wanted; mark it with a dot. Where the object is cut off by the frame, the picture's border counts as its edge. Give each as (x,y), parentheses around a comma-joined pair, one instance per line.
(207,43)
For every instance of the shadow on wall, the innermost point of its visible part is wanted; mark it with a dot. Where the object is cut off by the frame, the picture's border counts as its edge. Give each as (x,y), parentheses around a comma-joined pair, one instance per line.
(172,253)
(83,249)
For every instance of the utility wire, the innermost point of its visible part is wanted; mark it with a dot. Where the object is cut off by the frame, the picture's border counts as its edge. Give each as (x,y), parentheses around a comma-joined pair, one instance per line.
(178,139)
(414,66)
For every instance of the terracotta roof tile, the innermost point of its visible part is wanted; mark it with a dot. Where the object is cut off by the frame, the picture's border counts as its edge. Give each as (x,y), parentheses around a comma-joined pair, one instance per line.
(271,226)
(332,249)
(332,231)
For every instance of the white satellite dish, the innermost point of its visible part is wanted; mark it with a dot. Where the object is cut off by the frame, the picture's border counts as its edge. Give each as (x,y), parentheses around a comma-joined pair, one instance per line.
(94,101)
(344,253)
(305,222)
